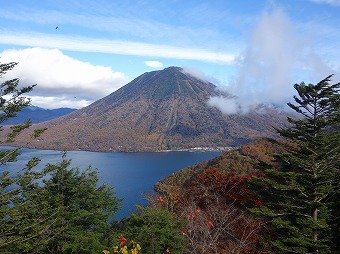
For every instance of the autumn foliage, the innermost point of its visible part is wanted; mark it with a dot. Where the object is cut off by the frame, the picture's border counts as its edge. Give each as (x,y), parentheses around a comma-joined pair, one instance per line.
(125,248)
(214,204)
(213,187)
(218,221)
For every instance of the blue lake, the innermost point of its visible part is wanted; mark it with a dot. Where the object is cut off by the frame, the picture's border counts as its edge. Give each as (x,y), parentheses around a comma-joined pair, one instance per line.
(130,174)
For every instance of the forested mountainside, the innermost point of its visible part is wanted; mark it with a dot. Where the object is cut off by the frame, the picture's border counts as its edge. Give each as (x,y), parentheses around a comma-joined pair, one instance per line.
(158,110)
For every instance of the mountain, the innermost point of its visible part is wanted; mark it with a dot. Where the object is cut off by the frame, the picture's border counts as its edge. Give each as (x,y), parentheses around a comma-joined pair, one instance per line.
(158,110)
(37,115)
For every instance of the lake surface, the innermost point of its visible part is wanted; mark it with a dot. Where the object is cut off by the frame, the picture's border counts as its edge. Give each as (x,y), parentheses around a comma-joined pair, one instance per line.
(130,174)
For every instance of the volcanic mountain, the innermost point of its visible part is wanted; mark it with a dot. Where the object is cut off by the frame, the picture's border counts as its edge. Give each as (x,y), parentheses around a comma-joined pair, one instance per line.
(158,110)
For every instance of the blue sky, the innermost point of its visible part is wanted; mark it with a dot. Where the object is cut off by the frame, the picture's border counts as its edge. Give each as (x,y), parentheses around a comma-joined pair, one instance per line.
(78,51)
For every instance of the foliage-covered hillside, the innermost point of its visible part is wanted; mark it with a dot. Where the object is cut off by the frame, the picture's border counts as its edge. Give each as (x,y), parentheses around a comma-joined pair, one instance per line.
(214,197)
(239,161)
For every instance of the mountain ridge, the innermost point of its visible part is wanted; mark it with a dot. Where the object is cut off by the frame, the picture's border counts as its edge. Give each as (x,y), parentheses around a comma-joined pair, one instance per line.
(37,115)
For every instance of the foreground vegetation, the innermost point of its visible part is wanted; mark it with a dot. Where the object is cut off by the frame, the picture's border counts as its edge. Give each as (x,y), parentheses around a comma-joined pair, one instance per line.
(270,196)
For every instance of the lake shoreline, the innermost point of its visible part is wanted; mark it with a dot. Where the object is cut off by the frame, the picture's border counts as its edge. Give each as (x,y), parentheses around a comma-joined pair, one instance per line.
(192,149)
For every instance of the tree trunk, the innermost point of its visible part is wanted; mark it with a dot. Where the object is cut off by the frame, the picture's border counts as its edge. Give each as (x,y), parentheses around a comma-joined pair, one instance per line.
(315,231)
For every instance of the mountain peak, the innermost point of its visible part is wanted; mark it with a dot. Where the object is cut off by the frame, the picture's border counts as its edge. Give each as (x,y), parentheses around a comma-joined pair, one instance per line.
(159,85)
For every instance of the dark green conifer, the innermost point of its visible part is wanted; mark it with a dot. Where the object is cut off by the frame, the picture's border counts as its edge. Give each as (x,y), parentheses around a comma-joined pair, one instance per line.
(17,225)
(299,191)
(84,206)
(50,210)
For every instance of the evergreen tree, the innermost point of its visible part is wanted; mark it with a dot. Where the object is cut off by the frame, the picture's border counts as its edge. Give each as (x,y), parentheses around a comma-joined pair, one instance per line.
(17,225)
(49,210)
(25,217)
(156,230)
(84,209)
(299,190)
(11,97)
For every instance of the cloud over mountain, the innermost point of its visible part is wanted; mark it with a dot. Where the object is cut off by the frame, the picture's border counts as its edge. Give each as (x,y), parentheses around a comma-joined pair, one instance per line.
(276,52)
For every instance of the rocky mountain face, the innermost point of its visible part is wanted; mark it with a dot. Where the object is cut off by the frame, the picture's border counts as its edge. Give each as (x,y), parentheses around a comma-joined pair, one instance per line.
(158,110)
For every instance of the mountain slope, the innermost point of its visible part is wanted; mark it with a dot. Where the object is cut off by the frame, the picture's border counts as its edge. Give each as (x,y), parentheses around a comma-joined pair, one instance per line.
(158,110)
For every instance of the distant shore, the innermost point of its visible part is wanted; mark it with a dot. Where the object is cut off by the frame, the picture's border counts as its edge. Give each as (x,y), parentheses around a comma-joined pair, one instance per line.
(201,149)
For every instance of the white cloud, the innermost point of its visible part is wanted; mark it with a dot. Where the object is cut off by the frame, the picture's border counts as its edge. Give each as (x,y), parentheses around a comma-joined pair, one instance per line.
(276,52)
(199,74)
(60,76)
(227,106)
(85,44)
(153,64)
(48,102)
